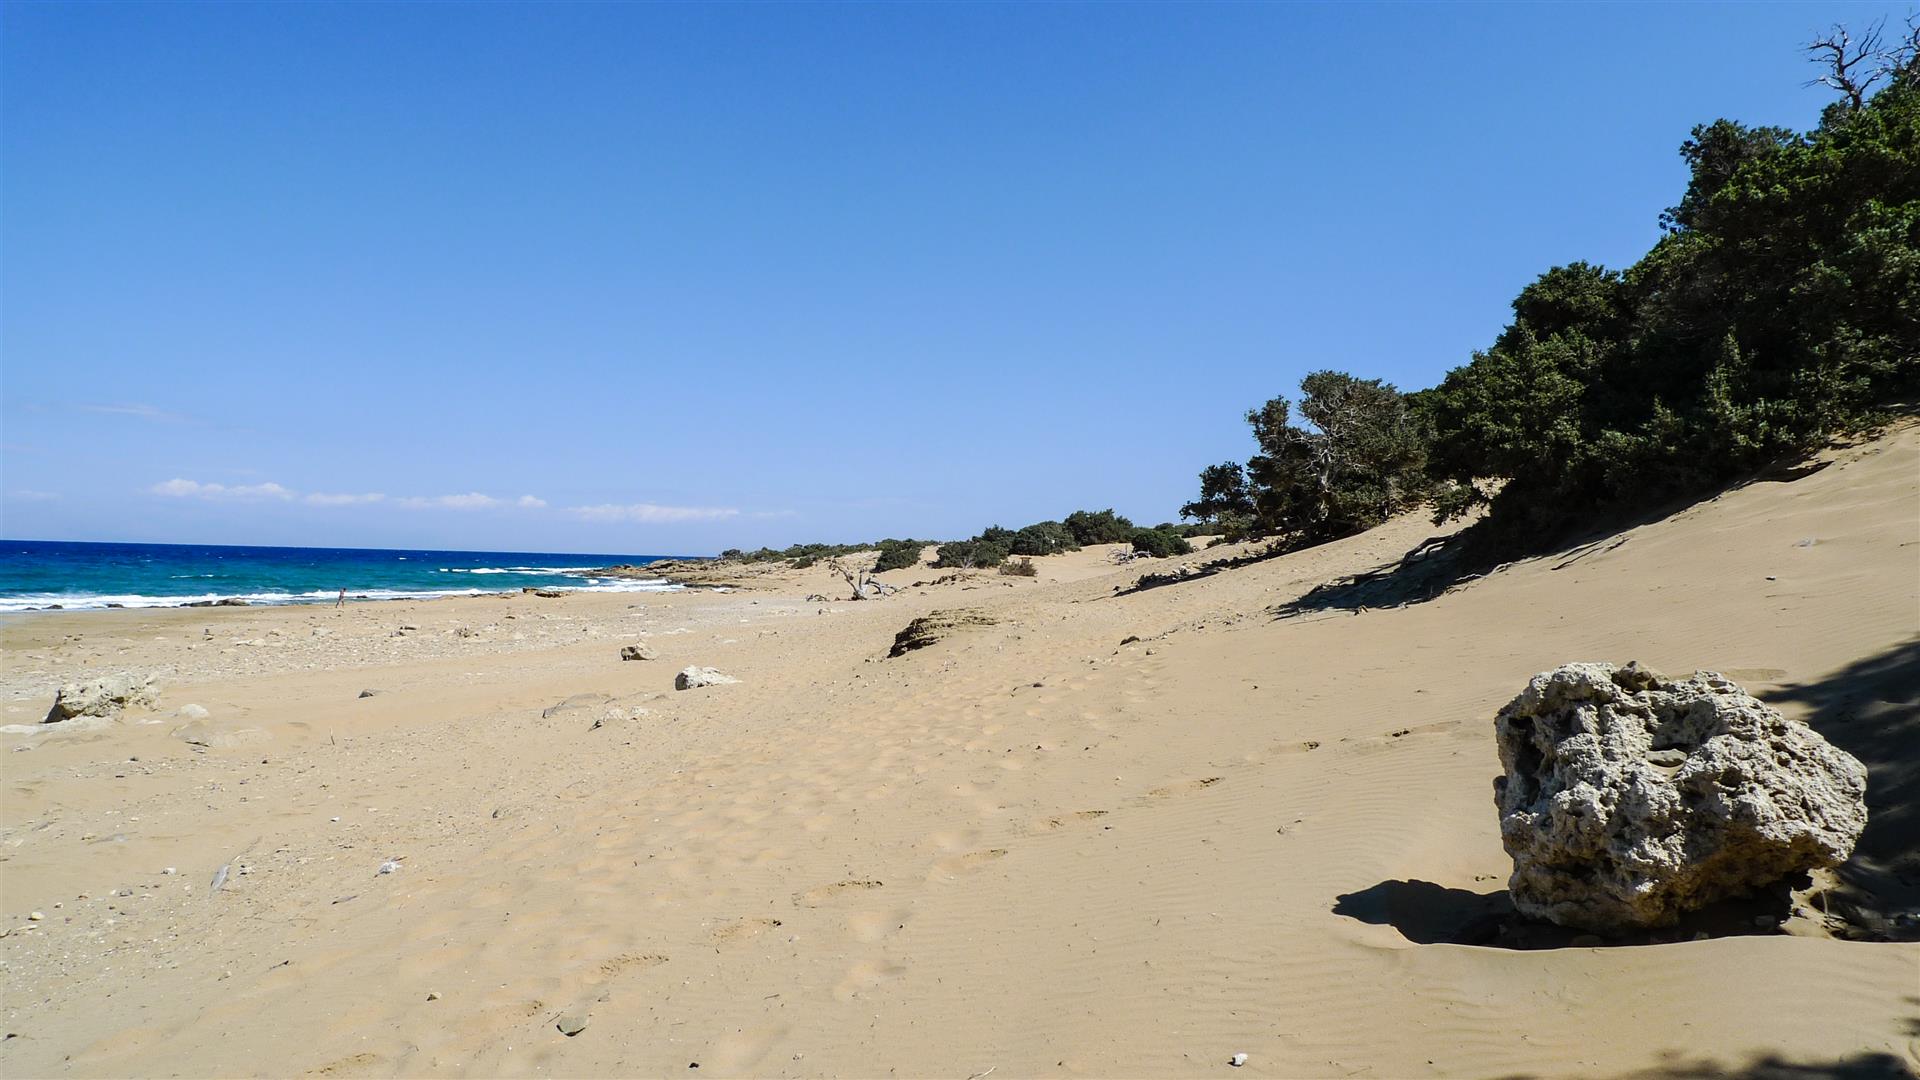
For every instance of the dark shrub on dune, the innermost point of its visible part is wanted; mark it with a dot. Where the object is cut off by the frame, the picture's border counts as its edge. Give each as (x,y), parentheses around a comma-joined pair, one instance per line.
(1159,543)
(969,555)
(1098,527)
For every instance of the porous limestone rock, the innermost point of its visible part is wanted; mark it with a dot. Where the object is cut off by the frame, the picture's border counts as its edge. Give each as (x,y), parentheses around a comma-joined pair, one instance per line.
(641,651)
(102,697)
(695,677)
(1629,798)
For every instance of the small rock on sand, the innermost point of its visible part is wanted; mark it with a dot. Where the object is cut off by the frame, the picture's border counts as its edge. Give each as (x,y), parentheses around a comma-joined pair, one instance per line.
(371,693)
(572,1022)
(638,652)
(191,712)
(695,677)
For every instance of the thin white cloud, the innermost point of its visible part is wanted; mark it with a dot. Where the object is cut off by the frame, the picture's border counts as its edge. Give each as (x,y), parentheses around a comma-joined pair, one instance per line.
(194,489)
(143,411)
(30,495)
(472,500)
(651,513)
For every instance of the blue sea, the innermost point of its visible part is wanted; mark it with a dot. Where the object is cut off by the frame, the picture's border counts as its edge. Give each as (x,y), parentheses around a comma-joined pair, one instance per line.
(39,574)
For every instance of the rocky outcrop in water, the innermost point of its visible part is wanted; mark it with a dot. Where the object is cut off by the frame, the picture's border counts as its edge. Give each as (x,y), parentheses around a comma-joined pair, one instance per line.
(1629,798)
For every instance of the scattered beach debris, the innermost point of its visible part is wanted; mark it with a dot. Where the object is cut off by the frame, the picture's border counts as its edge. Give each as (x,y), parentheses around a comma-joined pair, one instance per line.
(391,866)
(640,651)
(694,677)
(936,626)
(1237,1060)
(104,697)
(1629,798)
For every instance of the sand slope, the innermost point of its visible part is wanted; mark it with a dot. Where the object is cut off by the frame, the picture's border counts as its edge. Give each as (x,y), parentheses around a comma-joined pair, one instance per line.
(1028,848)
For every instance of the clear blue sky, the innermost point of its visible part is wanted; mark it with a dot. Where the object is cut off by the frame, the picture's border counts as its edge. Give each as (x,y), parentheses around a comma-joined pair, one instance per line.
(654,278)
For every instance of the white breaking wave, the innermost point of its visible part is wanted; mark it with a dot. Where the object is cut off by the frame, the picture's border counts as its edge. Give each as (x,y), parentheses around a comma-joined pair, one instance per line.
(96,601)
(518,569)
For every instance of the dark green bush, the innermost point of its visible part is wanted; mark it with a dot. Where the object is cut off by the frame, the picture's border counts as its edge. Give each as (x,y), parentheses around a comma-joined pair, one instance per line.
(1019,568)
(969,554)
(1098,527)
(1159,543)
(1043,538)
(898,555)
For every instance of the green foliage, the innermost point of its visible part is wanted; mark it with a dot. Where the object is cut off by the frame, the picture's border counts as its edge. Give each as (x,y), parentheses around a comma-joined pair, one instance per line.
(1781,307)
(1223,492)
(1159,543)
(1019,568)
(969,555)
(1043,538)
(1098,527)
(898,555)
(1362,461)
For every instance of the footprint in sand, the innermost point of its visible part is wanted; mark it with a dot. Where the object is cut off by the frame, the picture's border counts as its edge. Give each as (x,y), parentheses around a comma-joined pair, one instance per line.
(1064,820)
(742,929)
(868,927)
(741,1050)
(1308,746)
(1186,787)
(356,1063)
(960,864)
(631,961)
(821,894)
(864,976)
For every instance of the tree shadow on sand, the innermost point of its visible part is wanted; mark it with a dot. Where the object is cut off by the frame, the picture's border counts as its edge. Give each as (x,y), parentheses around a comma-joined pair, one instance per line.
(1441,564)
(1871,709)
(1866,1065)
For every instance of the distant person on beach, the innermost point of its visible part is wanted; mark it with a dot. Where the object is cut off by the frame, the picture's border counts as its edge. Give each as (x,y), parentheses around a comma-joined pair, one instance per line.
(342,601)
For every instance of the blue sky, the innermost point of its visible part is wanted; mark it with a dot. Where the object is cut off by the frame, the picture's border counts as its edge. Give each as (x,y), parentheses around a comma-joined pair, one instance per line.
(658,278)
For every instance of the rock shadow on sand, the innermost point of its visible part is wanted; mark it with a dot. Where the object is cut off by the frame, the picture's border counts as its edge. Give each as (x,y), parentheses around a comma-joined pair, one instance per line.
(1426,913)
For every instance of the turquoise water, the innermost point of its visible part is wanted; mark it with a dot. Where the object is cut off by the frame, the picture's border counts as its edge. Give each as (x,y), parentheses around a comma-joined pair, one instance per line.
(39,574)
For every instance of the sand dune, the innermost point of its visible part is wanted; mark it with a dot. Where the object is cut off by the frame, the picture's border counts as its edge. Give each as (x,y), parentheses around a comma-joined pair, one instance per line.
(1029,848)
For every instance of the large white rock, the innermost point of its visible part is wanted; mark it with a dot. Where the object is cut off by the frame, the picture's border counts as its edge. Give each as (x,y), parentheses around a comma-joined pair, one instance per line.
(103,697)
(695,677)
(1629,798)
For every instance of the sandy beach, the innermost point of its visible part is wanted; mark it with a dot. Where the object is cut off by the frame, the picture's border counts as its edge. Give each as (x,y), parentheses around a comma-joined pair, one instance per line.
(1099,832)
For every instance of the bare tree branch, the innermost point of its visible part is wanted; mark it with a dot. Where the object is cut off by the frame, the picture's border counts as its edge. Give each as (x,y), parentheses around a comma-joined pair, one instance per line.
(1852,66)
